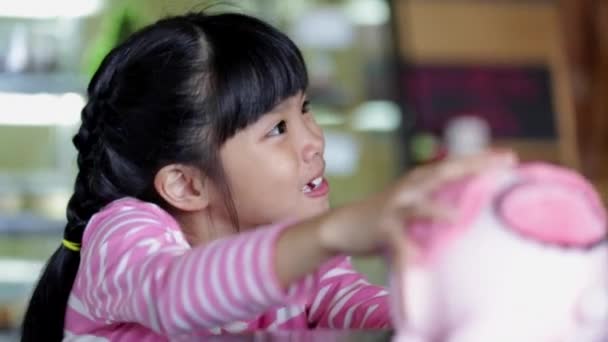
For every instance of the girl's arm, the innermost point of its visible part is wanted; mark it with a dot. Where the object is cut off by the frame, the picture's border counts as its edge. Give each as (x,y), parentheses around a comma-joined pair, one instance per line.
(374,223)
(135,269)
(346,300)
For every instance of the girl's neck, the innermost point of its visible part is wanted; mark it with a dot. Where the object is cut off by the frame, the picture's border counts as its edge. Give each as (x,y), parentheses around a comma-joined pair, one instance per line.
(202,227)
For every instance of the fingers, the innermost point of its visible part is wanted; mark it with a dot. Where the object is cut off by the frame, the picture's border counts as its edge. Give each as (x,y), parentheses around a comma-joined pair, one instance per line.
(423,211)
(413,200)
(428,210)
(420,182)
(457,168)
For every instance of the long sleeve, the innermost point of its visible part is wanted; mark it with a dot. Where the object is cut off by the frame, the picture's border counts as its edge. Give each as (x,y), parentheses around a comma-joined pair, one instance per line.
(346,300)
(138,268)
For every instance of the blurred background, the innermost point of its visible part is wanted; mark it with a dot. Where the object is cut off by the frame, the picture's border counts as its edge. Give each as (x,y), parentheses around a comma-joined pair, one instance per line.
(395,84)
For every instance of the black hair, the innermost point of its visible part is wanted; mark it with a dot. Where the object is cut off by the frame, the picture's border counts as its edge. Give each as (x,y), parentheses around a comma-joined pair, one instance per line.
(173,92)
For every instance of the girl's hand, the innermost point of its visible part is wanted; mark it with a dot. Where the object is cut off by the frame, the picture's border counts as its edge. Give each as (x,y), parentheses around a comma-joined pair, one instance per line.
(378,222)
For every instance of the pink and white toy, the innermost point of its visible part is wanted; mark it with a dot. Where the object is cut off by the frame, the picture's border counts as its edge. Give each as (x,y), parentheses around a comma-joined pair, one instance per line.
(525,260)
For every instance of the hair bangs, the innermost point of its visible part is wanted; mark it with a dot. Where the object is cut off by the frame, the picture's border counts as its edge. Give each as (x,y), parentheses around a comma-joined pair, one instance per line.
(255,68)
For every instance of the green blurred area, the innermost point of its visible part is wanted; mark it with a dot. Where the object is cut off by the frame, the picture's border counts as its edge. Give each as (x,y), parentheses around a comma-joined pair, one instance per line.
(39,154)
(28,247)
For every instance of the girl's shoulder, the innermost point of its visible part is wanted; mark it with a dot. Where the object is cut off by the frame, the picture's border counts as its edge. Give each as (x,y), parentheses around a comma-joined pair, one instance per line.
(128,209)
(133,206)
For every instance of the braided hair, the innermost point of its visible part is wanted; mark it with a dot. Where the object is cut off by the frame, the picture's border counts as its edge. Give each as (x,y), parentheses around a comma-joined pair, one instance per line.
(173,92)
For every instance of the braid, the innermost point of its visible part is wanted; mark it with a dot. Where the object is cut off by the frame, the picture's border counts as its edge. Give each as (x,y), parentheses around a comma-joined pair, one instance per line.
(60,272)
(82,205)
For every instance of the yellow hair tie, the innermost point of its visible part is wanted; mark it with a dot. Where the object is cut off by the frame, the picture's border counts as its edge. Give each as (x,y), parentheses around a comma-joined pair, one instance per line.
(73,246)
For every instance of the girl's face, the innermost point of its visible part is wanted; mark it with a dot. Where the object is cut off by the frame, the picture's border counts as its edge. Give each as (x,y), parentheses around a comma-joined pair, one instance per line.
(275,167)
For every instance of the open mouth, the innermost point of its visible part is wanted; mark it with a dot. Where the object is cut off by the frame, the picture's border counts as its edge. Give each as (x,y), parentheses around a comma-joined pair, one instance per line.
(313,185)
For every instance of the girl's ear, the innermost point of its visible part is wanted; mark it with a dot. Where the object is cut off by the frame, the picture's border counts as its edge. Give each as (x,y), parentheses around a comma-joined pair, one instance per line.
(183,187)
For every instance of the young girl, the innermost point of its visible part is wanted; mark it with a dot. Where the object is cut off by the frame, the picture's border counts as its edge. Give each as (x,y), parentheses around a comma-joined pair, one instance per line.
(201,207)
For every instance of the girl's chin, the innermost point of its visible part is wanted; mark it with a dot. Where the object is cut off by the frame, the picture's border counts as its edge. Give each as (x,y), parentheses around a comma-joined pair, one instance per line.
(316,210)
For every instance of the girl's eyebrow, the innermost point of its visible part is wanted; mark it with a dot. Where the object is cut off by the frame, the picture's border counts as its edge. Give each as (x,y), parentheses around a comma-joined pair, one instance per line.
(280,106)
(266,121)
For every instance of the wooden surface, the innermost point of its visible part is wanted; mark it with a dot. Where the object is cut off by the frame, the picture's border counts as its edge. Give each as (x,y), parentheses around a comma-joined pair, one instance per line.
(483,32)
(585,27)
(495,33)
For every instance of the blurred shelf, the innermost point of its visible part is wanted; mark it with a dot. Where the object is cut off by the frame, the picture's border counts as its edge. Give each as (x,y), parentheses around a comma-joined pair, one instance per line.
(52,83)
(57,9)
(29,224)
(41,99)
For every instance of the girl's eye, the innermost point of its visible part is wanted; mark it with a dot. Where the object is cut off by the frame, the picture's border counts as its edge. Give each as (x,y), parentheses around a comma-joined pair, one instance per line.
(306,107)
(279,129)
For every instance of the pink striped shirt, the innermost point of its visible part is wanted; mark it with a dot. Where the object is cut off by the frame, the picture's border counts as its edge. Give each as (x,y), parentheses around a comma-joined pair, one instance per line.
(139,280)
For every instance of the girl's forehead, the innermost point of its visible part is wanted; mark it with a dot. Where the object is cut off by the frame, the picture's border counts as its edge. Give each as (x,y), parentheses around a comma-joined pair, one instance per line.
(288,102)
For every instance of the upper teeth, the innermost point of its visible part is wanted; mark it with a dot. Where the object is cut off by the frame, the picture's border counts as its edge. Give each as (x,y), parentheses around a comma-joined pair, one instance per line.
(317,181)
(313,184)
